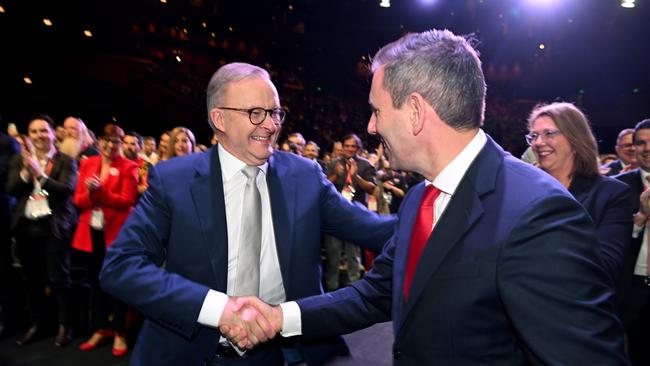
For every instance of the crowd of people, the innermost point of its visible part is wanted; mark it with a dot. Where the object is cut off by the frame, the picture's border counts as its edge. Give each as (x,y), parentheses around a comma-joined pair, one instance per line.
(67,196)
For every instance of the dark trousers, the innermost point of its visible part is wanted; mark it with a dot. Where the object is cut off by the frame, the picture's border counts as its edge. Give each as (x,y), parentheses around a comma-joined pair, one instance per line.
(46,262)
(636,317)
(103,305)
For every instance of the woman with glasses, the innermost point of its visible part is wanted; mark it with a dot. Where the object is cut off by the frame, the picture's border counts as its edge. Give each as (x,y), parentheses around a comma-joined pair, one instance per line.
(181,142)
(107,189)
(561,138)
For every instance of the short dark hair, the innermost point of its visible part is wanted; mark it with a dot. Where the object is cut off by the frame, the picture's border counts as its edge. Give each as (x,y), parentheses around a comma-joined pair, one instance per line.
(112,130)
(137,136)
(645,124)
(355,138)
(43,117)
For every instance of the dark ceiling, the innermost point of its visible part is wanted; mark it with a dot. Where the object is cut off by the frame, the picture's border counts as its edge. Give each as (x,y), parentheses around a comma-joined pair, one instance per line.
(595,52)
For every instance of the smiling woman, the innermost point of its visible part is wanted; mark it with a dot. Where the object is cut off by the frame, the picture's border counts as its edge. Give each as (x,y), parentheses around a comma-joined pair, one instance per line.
(565,147)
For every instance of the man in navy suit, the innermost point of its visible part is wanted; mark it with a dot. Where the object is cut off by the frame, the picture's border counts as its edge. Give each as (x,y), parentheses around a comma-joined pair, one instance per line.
(508,271)
(176,258)
(634,289)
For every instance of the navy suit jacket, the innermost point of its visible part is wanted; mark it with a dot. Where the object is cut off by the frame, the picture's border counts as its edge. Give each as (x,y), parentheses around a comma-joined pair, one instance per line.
(174,247)
(607,201)
(509,276)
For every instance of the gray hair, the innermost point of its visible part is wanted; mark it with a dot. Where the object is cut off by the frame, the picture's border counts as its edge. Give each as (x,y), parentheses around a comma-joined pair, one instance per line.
(229,73)
(444,68)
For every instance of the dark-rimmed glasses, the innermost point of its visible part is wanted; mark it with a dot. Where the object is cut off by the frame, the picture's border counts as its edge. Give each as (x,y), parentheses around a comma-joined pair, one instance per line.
(546,135)
(257,115)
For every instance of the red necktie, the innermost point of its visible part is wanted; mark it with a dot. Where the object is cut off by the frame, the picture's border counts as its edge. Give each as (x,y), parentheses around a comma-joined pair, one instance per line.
(421,232)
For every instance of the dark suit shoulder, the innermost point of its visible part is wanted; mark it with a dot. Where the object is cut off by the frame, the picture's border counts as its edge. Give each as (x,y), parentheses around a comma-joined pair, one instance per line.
(630,177)
(185,166)
(294,163)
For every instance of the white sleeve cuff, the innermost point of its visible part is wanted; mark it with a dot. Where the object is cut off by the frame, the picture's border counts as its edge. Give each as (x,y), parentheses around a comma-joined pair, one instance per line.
(637,230)
(212,308)
(291,321)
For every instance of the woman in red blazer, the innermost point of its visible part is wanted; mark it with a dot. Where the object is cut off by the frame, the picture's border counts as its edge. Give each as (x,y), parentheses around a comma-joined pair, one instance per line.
(107,190)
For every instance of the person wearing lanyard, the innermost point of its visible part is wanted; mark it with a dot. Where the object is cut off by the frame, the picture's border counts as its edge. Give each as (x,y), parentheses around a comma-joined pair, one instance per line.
(43,182)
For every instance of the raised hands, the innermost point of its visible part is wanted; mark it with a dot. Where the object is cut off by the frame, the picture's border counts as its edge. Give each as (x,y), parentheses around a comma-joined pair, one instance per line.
(248,321)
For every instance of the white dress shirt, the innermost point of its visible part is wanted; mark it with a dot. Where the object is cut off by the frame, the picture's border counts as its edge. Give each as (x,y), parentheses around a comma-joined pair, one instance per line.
(447,182)
(271,286)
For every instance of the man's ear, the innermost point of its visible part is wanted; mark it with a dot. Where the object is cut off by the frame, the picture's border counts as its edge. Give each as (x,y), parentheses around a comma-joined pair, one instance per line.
(216,118)
(416,108)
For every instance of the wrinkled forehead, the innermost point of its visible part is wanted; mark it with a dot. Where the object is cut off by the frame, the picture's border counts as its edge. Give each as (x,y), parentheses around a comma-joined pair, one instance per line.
(251,91)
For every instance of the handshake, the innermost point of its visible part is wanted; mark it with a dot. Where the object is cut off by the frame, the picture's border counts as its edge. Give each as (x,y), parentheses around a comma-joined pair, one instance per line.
(248,321)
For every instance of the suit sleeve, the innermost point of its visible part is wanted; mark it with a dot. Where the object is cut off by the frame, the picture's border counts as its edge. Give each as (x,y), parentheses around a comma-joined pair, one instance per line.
(15,185)
(81,197)
(351,221)
(613,232)
(133,271)
(126,196)
(555,290)
(63,187)
(360,305)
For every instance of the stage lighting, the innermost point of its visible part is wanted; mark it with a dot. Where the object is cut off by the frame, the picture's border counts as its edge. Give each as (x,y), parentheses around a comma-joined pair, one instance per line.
(629,4)
(47,22)
(88,33)
(27,80)
(2,9)
(384,3)
(178,58)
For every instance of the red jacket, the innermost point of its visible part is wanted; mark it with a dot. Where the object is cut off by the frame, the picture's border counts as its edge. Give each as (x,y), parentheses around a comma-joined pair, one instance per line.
(116,197)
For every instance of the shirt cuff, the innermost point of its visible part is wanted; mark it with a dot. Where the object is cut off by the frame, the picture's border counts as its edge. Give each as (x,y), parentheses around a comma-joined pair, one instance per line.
(637,230)
(212,308)
(291,321)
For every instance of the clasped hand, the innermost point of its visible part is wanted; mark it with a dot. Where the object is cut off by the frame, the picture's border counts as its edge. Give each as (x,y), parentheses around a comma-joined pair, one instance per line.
(248,321)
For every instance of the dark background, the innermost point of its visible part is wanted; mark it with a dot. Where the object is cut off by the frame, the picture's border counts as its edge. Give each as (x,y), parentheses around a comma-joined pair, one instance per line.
(595,55)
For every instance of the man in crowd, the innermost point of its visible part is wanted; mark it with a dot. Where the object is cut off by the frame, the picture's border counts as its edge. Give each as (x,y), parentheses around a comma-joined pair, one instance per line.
(627,159)
(131,148)
(311,152)
(635,292)
(354,177)
(240,220)
(76,129)
(148,153)
(43,182)
(298,141)
(493,262)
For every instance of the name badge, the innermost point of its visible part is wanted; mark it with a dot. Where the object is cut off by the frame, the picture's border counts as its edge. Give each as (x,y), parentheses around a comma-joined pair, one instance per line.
(97,219)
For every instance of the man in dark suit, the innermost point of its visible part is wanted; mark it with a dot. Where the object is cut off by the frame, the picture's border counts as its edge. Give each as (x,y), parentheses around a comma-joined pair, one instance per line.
(635,292)
(43,182)
(626,154)
(509,274)
(192,220)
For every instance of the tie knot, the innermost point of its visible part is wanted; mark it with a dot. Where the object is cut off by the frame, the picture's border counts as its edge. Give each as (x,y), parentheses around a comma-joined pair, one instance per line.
(430,195)
(250,171)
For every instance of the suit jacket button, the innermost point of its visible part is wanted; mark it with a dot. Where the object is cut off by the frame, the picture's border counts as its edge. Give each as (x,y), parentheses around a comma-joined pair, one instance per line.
(397,354)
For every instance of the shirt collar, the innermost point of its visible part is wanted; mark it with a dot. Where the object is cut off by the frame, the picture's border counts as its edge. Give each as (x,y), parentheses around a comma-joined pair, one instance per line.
(230,165)
(449,178)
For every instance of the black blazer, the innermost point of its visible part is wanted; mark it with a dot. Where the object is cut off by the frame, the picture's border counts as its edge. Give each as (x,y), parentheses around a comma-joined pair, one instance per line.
(60,187)
(607,201)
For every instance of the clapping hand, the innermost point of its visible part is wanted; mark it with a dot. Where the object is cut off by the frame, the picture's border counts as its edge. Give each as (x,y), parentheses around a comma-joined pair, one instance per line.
(248,321)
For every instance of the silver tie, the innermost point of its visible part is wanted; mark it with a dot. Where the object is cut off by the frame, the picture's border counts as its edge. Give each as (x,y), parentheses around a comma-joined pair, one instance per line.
(247,281)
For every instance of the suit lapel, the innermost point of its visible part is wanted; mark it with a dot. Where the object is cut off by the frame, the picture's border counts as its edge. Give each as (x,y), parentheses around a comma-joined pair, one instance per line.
(282,194)
(462,212)
(208,198)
